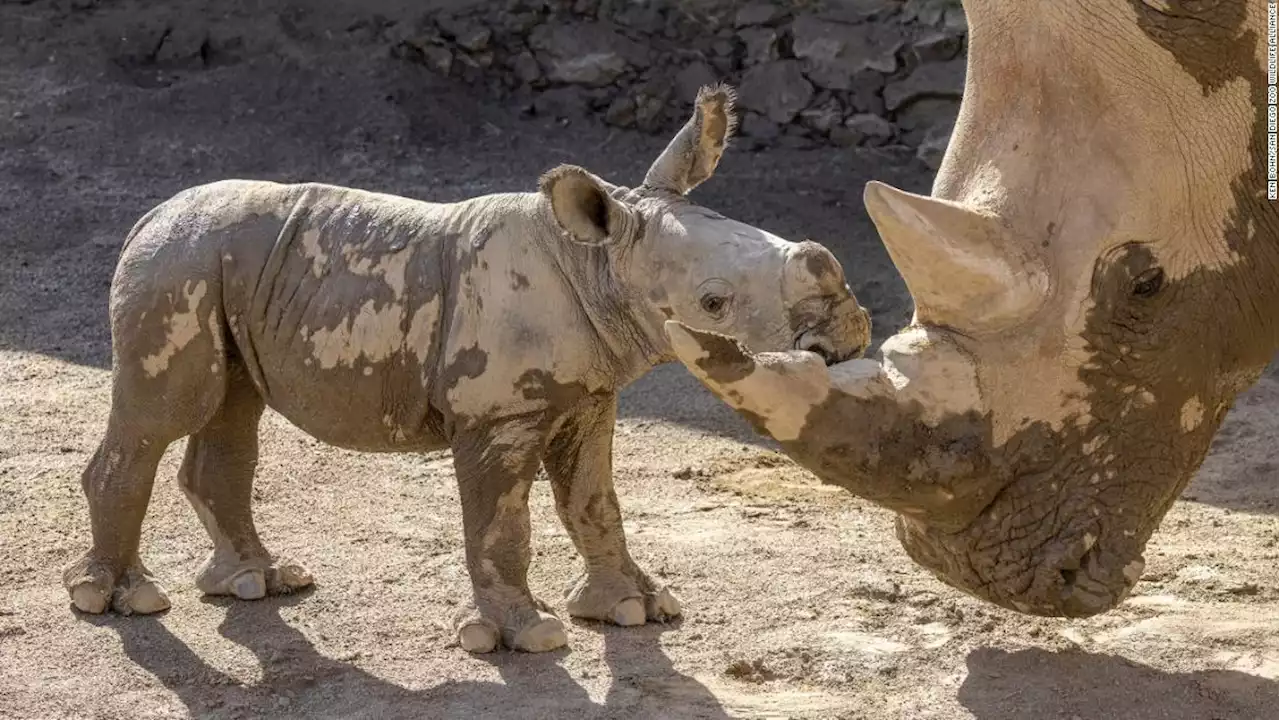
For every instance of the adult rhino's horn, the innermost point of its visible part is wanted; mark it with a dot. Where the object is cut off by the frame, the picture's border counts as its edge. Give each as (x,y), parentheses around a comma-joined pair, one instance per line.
(963,268)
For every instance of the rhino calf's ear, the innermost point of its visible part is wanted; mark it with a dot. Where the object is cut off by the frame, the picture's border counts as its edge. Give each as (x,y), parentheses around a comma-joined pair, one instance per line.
(584,209)
(693,154)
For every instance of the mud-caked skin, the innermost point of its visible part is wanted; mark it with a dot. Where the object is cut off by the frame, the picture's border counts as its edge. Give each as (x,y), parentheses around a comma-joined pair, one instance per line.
(501,327)
(1095,280)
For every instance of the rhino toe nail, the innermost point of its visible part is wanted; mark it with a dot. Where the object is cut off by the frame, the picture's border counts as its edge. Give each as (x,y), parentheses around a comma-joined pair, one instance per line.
(148,598)
(545,634)
(249,585)
(629,612)
(665,604)
(89,598)
(478,637)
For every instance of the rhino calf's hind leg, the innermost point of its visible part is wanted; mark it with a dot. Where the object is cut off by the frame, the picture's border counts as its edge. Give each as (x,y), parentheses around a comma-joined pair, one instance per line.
(217,477)
(495,465)
(579,461)
(117,484)
(156,398)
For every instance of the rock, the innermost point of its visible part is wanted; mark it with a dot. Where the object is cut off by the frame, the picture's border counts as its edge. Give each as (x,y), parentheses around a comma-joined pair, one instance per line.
(865,91)
(526,67)
(691,78)
(777,90)
(856,11)
(758,13)
(762,44)
(934,146)
(622,113)
(821,118)
(519,23)
(561,103)
(645,17)
(593,54)
(475,40)
(864,129)
(833,52)
(185,45)
(414,36)
(954,19)
(469,35)
(600,98)
(936,46)
(925,12)
(135,44)
(651,101)
(722,48)
(436,58)
(933,80)
(760,127)
(916,119)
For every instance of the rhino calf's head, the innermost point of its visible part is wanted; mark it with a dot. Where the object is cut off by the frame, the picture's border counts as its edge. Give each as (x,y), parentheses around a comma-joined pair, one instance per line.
(678,260)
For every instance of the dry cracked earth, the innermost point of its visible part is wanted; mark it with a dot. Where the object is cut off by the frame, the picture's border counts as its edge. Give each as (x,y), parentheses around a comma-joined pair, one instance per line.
(800,604)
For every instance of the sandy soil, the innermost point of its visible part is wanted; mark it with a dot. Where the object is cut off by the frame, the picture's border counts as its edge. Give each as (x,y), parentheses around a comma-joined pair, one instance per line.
(799,601)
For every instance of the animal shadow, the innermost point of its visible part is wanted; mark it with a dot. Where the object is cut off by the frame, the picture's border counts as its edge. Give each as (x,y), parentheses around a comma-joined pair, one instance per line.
(1095,686)
(298,681)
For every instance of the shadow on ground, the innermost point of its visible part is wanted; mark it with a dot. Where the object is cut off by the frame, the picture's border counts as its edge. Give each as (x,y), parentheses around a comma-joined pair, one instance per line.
(300,682)
(1092,686)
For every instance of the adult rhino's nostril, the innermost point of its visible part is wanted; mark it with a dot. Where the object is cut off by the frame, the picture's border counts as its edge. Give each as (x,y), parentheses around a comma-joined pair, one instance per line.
(1068,577)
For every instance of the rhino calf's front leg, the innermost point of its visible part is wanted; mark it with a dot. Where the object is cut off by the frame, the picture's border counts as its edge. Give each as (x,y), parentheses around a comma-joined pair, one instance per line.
(495,464)
(579,461)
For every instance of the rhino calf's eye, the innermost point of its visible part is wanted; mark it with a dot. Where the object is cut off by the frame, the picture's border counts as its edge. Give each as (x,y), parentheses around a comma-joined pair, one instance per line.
(1149,283)
(714,304)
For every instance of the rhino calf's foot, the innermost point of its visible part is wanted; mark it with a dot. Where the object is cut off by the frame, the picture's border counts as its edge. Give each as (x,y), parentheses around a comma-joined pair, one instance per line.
(621,599)
(578,460)
(525,629)
(95,586)
(251,579)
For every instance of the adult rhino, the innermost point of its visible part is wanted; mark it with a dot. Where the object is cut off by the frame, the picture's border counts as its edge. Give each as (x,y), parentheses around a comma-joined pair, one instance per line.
(502,327)
(1094,279)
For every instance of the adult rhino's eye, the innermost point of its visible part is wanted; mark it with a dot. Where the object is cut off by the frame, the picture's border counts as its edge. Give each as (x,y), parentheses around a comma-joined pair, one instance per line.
(714,304)
(1148,283)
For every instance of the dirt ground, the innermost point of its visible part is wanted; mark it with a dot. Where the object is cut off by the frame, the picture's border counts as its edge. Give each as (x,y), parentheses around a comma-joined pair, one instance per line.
(799,601)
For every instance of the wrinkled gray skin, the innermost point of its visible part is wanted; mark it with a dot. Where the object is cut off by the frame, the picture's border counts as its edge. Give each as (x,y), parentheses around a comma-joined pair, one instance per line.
(1095,279)
(501,327)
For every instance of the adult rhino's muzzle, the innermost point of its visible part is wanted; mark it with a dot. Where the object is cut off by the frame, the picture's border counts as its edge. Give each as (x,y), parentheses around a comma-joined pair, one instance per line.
(1072,573)
(1033,523)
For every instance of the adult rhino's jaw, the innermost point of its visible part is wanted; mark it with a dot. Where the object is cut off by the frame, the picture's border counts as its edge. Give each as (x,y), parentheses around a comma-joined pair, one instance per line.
(910,432)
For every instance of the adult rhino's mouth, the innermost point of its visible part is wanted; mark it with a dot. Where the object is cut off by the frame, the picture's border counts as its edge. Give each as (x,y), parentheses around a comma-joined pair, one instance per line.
(1074,575)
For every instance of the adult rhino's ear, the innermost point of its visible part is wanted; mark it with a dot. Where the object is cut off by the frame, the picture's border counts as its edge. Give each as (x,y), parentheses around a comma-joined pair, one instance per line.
(584,209)
(694,153)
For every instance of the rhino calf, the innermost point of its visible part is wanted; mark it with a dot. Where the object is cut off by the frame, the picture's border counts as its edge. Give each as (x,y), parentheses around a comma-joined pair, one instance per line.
(502,327)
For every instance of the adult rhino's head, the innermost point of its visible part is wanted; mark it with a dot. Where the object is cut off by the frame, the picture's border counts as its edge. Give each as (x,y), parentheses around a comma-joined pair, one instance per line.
(1094,279)
(678,260)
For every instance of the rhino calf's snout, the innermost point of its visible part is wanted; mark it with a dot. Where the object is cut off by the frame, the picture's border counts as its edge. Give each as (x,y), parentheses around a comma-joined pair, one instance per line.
(825,314)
